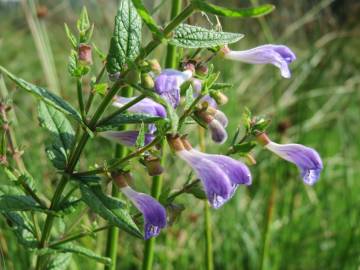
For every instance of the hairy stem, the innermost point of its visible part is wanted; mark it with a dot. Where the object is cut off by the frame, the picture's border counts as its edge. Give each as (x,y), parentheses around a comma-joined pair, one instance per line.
(80,97)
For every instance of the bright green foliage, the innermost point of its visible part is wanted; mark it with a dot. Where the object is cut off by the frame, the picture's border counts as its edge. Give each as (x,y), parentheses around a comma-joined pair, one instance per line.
(59,261)
(110,208)
(62,134)
(233,12)
(70,36)
(190,36)
(18,203)
(126,40)
(45,95)
(147,18)
(140,140)
(83,23)
(72,248)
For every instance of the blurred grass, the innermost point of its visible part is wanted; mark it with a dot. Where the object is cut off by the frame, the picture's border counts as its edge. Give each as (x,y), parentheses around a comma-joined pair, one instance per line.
(309,228)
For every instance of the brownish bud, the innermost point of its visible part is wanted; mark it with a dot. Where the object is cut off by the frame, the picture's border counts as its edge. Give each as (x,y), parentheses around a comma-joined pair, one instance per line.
(263,139)
(121,179)
(205,116)
(175,142)
(153,165)
(186,143)
(85,54)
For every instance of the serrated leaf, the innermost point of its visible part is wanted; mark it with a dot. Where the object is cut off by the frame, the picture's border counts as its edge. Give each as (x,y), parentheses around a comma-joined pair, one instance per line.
(147,18)
(190,36)
(83,23)
(59,261)
(22,229)
(100,88)
(233,12)
(62,134)
(76,249)
(111,209)
(126,40)
(71,36)
(45,95)
(127,118)
(18,203)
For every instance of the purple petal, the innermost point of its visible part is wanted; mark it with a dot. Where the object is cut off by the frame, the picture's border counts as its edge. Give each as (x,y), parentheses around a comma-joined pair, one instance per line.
(238,172)
(305,158)
(154,213)
(221,117)
(278,55)
(218,132)
(216,183)
(168,83)
(146,106)
(127,137)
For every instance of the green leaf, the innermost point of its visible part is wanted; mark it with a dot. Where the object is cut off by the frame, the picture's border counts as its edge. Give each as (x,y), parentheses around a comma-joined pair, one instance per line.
(140,140)
(221,86)
(62,134)
(100,88)
(189,36)
(22,229)
(18,203)
(147,18)
(233,12)
(243,148)
(126,40)
(99,52)
(59,261)
(173,117)
(71,36)
(189,97)
(45,95)
(111,209)
(83,23)
(127,118)
(197,191)
(72,248)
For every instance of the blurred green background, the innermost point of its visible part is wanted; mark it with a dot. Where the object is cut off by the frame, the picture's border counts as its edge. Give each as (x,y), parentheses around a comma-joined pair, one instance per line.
(277,222)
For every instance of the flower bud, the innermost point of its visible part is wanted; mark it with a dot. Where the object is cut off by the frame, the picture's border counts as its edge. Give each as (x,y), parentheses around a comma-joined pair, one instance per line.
(154,66)
(202,69)
(120,179)
(218,115)
(218,132)
(219,97)
(147,81)
(153,165)
(85,54)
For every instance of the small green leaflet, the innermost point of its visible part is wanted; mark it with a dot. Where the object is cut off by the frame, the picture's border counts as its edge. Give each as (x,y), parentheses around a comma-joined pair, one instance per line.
(127,118)
(83,23)
(59,261)
(147,18)
(45,95)
(233,12)
(126,40)
(62,134)
(76,249)
(189,98)
(189,36)
(18,203)
(140,140)
(111,209)
(71,36)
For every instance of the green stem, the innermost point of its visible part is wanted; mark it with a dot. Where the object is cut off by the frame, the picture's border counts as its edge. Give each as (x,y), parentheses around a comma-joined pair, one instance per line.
(170,61)
(92,94)
(80,97)
(209,261)
(113,233)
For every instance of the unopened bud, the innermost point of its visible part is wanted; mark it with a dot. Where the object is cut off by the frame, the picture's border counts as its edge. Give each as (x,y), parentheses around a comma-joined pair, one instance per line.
(218,115)
(219,97)
(154,66)
(263,139)
(121,179)
(85,54)
(153,165)
(202,69)
(133,76)
(147,81)
(223,51)
(218,132)
(175,143)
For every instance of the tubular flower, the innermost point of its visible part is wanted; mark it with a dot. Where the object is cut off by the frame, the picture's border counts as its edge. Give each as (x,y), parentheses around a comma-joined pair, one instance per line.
(146,106)
(168,83)
(277,55)
(127,137)
(154,213)
(305,158)
(216,127)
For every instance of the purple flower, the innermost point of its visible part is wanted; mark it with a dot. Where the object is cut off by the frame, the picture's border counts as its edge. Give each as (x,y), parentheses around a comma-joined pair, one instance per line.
(168,83)
(305,158)
(127,137)
(196,84)
(218,132)
(216,183)
(154,213)
(221,118)
(278,55)
(146,106)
